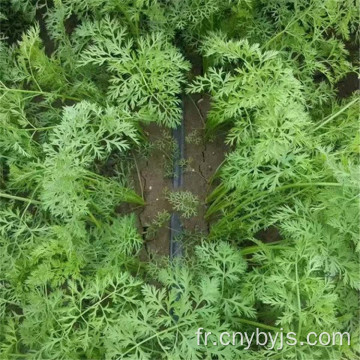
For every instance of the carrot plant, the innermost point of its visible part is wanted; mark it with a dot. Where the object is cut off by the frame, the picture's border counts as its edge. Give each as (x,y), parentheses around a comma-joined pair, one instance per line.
(79,80)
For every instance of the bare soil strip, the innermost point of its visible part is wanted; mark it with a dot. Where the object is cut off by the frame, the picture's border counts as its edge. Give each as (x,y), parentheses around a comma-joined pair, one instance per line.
(202,158)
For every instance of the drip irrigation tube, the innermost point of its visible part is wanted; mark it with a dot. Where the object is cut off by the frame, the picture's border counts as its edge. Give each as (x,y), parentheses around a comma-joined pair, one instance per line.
(176,249)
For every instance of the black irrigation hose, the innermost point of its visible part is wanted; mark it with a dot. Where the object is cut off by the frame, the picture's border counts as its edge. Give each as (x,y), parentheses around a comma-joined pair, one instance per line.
(176,249)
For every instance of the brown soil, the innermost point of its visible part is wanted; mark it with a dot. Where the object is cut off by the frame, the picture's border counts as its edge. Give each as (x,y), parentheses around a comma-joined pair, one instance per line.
(348,85)
(151,181)
(204,156)
(203,159)
(269,235)
(49,44)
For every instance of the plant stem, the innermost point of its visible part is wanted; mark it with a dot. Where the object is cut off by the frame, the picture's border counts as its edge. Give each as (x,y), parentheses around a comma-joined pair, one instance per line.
(198,110)
(93,219)
(40,93)
(257,324)
(296,18)
(13,197)
(298,297)
(151,337)
(253,249)
(32,129)
(327,120)
(243,321)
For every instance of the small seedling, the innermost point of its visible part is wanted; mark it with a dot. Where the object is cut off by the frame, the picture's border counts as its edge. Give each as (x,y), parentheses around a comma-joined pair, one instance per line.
(159,221)
(193,138)
(184,202)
